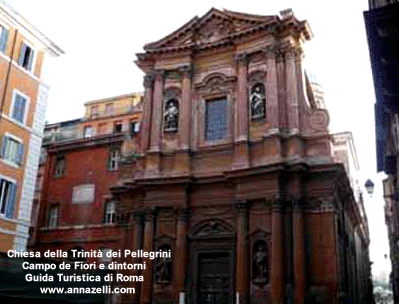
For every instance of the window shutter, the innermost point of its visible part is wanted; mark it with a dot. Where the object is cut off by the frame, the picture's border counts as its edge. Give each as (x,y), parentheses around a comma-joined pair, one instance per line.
(20,154)
(11,200)
(30,60)
(22,53)
(3,39)
(3,147)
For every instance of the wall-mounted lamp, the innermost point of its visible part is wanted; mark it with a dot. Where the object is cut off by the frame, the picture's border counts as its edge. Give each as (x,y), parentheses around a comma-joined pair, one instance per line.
(369,185)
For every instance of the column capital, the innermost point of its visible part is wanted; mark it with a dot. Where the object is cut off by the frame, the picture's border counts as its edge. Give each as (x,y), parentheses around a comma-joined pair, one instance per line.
(242,58)
(271,51)
(159,74)
(184,215)
(148,80)
(241,206)
(186,70)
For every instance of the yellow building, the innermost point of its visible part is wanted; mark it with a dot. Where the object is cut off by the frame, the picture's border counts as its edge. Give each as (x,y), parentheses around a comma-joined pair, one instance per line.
(23,93)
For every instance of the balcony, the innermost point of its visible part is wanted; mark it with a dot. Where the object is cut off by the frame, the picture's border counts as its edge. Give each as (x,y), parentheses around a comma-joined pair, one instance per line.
(115,110)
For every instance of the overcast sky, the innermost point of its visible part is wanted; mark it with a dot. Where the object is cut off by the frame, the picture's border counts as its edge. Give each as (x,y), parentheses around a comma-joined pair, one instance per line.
(101,38)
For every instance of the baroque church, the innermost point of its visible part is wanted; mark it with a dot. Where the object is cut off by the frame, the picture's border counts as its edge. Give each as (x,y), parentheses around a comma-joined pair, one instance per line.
(235,173)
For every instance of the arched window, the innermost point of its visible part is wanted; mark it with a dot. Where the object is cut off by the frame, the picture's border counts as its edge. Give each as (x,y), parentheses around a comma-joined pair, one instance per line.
(171,116)
(163,267)
(260,263)
(258,101)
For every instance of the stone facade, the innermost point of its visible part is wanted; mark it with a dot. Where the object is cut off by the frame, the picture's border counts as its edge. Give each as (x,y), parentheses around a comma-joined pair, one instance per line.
(236,174)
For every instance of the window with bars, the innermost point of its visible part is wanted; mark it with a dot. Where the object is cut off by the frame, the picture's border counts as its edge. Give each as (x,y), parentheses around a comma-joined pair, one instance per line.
(109,213)
(216,119)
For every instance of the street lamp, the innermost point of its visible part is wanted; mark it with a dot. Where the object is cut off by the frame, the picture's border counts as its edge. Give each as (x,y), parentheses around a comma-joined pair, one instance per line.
(369,185)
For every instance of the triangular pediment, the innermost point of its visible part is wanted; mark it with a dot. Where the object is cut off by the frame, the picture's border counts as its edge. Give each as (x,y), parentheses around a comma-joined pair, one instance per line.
(215,26)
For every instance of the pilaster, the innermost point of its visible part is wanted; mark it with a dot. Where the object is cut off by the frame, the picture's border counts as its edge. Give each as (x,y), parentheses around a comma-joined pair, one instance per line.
(156,120)
(148,84)
(241,153)
(277,259)
(291,90)
(148,245)
(242,253)
(272,113)
(181,253)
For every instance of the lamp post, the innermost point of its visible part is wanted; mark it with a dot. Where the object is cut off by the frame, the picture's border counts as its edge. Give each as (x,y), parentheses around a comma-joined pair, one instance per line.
(369,185)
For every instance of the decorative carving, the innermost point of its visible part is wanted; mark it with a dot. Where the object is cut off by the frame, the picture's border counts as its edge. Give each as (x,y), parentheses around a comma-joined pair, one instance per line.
(171,116)
(214,30)
(148,80)
(319,120)
(260,263)
(258,101)
(213,227)
(163,267)
(216,83)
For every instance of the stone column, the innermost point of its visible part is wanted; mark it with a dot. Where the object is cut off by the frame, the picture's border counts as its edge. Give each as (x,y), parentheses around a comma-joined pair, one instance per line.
(181,254)
(147,110)
(242,254)
(277,289)
(157,110)
(146,287)
(291,91)
(185,106)
(298,229)
(272,113)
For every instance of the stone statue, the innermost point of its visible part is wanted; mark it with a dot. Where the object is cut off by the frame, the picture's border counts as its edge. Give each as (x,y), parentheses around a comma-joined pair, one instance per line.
(260,264)
(257,100)
(171,115)
(163,270)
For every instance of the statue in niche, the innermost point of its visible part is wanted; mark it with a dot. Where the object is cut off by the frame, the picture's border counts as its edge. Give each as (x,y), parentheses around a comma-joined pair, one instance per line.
(163,268)
(171,116)
(257,100)
(260,263)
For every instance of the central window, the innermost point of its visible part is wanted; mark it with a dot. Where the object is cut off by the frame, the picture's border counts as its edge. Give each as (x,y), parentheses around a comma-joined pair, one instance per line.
(216,119)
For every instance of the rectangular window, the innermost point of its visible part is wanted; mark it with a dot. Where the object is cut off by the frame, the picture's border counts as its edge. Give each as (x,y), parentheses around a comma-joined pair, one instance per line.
(216,119)
(114,158)
(19,105)
(53,215)
(102,128)
(110,213)
(59,166)
(109,109)
(83,193)
(88,132)
(135,127)
(8,191)
(12,150)
(95,111)
(3,38)
(26,57)
(117,127)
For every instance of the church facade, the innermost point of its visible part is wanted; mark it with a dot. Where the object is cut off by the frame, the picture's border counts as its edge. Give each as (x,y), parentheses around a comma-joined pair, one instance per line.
(235,173)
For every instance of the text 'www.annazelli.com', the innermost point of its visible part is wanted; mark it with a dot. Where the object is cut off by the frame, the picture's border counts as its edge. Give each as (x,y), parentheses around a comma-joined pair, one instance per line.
(86,290)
